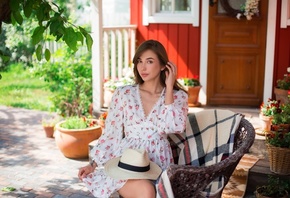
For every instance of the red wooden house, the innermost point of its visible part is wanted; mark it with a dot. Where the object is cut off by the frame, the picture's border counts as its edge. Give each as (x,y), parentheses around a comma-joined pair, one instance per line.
(238,61)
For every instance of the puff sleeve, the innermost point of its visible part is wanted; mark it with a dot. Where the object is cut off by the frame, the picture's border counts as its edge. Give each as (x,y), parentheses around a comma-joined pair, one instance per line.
(172,118)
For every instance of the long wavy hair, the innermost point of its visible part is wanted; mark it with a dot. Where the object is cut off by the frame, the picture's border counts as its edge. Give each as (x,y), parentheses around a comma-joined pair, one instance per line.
(161,53)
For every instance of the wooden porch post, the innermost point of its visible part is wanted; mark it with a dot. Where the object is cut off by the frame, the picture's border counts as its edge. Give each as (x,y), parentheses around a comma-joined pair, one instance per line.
(97,54)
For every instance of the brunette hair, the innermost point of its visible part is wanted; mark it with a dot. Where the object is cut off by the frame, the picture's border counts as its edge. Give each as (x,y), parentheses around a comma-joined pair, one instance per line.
(161,53)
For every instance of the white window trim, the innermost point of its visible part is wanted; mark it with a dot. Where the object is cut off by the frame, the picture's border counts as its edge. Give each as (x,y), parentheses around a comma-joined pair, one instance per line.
(149,15)
(285,13)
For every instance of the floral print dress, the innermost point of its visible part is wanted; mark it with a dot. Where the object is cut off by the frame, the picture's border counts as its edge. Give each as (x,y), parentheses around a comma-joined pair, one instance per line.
(127,126)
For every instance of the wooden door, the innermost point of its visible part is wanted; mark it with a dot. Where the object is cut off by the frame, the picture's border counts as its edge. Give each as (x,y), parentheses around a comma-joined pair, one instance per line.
(236,57)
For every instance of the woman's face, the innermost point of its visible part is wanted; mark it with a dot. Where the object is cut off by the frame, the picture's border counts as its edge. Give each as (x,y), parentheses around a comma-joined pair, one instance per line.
(148,66)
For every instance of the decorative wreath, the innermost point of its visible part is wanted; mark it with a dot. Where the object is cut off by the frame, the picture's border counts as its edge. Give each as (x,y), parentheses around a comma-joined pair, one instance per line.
(249,9)
(229,10)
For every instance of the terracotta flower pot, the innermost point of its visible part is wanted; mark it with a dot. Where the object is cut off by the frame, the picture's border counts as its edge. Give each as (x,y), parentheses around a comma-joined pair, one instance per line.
(281,95)
(266,122)
(49,131)
(193,93)
(74,143)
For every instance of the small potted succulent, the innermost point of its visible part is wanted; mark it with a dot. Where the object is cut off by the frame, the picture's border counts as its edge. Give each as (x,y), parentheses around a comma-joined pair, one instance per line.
(193,86)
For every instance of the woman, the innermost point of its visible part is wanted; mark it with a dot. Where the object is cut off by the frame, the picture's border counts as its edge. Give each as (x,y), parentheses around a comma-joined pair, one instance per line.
(140,117)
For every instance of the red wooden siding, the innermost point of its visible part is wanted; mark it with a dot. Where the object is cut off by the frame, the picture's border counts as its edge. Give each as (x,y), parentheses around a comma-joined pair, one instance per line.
(282,48)
(181,41)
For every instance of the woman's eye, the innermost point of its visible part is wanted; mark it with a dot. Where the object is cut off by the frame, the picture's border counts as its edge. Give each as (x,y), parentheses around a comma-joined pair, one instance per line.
(150,62)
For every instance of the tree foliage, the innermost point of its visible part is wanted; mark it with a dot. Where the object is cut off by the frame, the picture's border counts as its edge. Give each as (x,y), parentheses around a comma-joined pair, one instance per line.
(51,20)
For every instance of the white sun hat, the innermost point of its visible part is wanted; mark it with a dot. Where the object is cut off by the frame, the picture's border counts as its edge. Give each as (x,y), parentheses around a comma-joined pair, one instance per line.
(133,164)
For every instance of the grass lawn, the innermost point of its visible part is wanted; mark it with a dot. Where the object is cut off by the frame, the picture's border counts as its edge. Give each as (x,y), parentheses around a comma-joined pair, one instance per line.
(19,88)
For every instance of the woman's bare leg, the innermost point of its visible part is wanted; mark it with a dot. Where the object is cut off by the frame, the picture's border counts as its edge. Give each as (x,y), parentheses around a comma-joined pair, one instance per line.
(138,188)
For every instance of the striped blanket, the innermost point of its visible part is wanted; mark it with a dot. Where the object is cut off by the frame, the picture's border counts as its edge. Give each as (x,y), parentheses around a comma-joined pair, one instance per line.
(208,139)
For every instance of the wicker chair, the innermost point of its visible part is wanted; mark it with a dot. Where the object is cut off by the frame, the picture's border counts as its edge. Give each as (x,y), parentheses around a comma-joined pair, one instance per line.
(188,181)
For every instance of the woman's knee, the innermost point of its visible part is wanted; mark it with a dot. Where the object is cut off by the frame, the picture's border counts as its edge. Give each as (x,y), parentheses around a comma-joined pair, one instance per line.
(138,189)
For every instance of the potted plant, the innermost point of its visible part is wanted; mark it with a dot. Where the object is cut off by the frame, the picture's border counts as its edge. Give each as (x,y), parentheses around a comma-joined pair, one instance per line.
(278,147)
(110,85)
(278,141)
(267,111)
(281,119)
(192,85)
(74,134)
(274,188)
(48,124)
(282,89)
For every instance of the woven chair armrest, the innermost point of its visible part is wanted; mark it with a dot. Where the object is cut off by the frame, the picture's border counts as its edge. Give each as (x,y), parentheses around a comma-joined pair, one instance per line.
(188,180)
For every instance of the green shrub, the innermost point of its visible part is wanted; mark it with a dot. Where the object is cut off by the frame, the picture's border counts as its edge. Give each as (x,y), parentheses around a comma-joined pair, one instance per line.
(70,80)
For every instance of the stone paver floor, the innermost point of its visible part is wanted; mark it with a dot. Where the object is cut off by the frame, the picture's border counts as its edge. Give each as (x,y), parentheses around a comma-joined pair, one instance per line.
(31,162)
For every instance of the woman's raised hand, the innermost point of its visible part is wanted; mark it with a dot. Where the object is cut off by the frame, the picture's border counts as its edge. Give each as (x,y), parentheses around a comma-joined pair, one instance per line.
(170,73)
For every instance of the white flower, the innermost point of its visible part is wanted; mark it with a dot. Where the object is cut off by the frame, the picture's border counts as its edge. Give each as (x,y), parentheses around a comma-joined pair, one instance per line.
(251,8)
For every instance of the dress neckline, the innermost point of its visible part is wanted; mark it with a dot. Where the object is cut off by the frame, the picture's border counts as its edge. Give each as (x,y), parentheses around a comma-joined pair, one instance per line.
(154,106)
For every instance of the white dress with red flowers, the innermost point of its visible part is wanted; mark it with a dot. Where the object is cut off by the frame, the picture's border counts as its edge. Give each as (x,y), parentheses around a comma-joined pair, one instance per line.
(140,132)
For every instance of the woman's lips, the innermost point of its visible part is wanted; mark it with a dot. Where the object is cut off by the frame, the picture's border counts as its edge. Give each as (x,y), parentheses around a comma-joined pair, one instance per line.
(144,75)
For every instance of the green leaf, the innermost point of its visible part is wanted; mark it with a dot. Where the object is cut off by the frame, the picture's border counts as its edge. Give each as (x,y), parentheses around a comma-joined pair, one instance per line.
(54,27)
(47,54)
(38,52)
(14,5)
(5,58)
(89,39)
(17,16)
(70,38)
(8,189)
(83,31)
(80,37)
(40,14)
(27,8)
(89,42)
(46,10)
(37,35)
